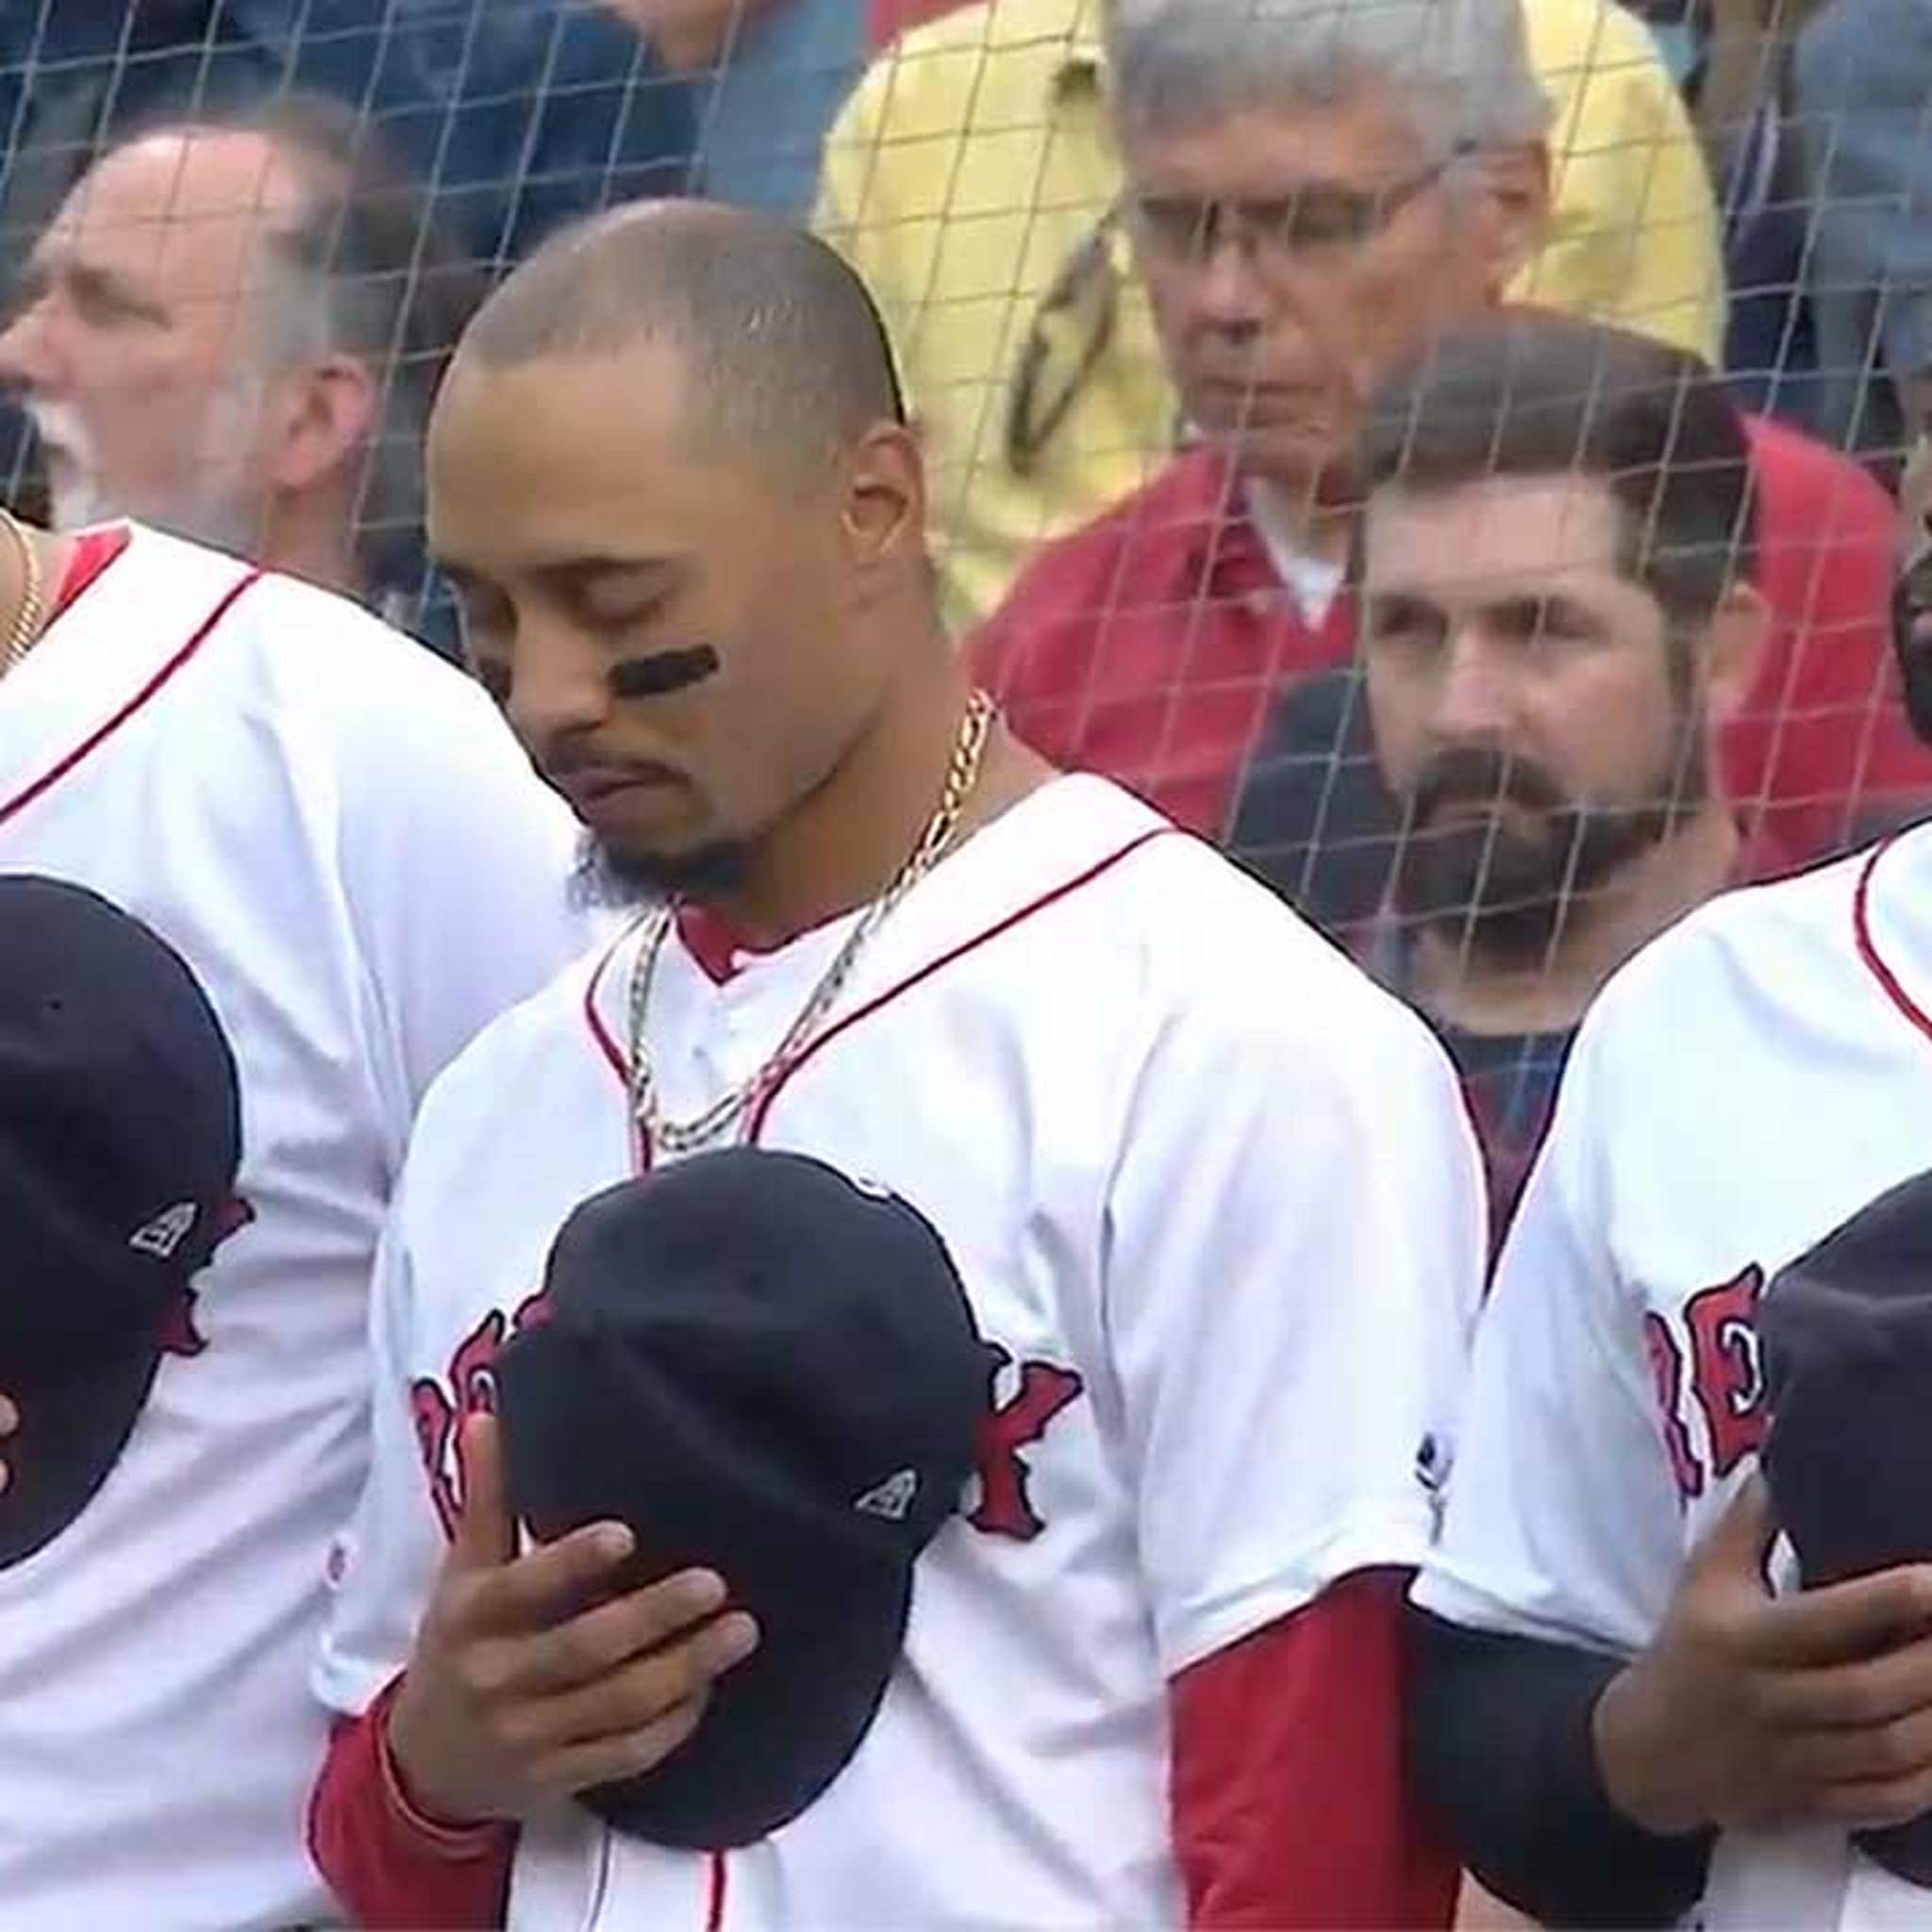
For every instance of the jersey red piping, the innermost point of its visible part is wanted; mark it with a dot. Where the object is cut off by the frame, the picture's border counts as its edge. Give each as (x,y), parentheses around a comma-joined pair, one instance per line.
(641,1147)
(714,1902)
(1868,947)
(755,1126)
(13,807)
(601,1034)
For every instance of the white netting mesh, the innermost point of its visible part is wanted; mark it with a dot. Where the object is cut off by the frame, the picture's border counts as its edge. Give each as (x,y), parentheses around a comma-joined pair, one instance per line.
(1709,185)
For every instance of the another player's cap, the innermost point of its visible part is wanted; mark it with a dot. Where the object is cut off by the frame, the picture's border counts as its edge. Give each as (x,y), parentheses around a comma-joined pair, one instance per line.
(120,1136)
(767,1371)
(1846,1335)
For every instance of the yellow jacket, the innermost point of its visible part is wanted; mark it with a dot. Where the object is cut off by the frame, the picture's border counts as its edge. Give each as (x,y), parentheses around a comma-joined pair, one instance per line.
(973,164)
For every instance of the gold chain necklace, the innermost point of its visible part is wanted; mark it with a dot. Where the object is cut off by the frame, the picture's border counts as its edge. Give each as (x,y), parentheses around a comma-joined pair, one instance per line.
(26,622)
(682,1137)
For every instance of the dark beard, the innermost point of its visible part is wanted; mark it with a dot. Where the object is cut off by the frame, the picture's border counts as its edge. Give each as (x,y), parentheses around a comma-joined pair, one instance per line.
(604,877)
(1504,888)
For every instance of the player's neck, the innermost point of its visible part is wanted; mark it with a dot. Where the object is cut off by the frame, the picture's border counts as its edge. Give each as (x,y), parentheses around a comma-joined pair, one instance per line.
(1461,986)
(844,844)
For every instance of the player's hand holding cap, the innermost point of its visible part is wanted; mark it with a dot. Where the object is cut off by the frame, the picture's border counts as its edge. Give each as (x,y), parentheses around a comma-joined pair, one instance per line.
(120,1136)
(771,1372)
(1846,1331)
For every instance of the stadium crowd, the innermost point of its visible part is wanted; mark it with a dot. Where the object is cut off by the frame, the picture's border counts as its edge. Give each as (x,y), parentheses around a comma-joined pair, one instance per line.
(1467,463)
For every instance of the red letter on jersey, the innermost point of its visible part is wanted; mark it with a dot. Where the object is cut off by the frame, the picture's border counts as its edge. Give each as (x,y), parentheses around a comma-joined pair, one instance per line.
(1006,1507)
(1725,1374)
(1667,1367)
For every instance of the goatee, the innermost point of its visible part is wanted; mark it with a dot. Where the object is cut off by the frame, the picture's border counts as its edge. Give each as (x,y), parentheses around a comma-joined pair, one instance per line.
(607,877)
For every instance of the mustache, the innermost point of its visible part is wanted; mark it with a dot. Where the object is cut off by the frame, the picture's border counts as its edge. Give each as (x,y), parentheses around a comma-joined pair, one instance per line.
(1482,775)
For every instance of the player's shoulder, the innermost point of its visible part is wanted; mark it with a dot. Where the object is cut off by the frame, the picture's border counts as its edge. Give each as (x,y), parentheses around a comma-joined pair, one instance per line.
(1749,950)
(516,1053)
(330,650)
(314,670)
(1212,949)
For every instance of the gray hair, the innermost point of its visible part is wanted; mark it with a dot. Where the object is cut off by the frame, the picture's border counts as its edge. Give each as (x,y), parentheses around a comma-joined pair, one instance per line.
(1462,67)
(366,270)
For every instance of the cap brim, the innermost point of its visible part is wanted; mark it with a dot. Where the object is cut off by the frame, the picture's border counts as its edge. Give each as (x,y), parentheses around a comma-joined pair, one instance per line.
(73,1428)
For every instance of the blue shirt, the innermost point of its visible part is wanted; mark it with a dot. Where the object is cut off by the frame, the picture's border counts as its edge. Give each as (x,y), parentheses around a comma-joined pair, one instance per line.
(518,114)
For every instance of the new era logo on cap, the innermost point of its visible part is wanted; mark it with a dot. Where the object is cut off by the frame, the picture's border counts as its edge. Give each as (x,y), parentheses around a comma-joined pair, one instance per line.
(891,1499)
(165,1233)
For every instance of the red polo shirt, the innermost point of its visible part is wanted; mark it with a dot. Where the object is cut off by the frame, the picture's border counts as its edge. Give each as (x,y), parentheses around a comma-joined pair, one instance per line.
(1151,645)
(892,18)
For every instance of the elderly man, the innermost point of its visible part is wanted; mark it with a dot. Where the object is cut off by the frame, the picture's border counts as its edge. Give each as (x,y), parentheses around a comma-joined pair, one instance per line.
(231,331)
(973,179)
(1314,196)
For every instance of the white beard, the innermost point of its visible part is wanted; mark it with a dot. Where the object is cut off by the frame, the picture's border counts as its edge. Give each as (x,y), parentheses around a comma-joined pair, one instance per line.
(210,506)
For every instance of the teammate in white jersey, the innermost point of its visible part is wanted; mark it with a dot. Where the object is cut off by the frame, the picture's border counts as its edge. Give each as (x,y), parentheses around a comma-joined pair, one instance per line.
(1629,1709)
(1211,1194)
(348,849)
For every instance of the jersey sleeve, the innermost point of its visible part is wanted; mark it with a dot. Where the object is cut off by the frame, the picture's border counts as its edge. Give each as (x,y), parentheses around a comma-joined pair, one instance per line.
(384,1562)
(457,863)
(1563,1518)
(1294,1248)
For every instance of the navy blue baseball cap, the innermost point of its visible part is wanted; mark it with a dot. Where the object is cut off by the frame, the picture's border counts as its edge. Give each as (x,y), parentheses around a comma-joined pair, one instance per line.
(766,1370)
(1846,1336)
(119,1138)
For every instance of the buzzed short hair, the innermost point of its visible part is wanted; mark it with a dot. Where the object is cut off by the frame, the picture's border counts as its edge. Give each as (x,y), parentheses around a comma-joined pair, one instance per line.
(784,350)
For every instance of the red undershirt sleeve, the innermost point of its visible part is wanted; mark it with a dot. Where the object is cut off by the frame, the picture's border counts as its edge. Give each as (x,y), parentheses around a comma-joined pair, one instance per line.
(393,1869)
(1291,1809)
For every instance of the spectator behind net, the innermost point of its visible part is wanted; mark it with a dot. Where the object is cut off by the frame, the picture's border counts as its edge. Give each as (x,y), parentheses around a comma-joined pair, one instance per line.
(232,331)
(1313,195)
(1556,572)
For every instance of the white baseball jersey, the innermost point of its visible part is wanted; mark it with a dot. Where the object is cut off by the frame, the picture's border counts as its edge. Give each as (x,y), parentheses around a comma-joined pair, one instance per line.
(338,834)
(1741,1089)
(1216,1202)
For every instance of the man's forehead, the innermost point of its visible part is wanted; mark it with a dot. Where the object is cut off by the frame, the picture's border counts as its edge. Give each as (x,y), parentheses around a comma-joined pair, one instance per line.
(171,202)
(1276,146)
(1512,532)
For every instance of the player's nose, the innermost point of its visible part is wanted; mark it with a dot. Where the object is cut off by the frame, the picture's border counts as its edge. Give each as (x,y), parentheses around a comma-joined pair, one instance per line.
(559,688)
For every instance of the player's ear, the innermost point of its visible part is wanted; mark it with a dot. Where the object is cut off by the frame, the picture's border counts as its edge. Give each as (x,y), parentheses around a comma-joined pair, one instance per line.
(1733,649)
(884,512)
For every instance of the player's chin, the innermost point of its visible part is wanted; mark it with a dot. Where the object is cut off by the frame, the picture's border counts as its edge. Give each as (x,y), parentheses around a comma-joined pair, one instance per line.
(626,872)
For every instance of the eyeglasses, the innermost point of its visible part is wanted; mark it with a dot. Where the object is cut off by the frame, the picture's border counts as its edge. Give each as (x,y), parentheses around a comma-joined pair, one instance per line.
(1321,219)
(1074,325)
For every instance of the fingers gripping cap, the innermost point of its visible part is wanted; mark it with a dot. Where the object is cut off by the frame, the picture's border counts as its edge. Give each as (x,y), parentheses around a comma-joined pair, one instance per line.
(769,1370)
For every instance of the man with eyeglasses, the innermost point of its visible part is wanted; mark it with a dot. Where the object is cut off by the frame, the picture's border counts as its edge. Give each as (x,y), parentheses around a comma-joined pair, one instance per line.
(971,180)
(1314,194)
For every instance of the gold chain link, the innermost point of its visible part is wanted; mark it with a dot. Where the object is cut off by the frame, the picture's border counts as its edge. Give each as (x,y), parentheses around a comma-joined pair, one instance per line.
(26,622)
(683,1137)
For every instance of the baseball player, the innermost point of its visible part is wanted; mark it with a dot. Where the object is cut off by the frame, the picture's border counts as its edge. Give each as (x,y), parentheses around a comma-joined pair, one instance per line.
(1212,1195)
(338,836)
(1629,1711)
